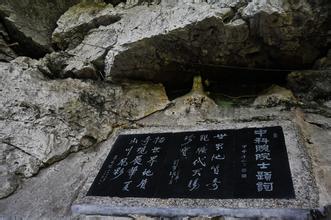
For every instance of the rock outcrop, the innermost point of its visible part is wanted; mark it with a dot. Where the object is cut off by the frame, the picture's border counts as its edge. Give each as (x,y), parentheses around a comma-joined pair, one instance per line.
(42,120)
(92,67)
(30,23)
(153,42)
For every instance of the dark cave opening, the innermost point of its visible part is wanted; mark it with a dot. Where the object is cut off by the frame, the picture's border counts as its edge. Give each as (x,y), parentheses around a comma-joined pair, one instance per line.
(224,84)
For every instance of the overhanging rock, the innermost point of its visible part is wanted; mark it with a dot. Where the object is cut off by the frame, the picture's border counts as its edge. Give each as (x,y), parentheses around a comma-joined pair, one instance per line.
(156,42)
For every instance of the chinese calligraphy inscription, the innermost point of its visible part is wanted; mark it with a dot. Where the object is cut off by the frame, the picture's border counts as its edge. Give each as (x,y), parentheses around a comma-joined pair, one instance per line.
(243,163)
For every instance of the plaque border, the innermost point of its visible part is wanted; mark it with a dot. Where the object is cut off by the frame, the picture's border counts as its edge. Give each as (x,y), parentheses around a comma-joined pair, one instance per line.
(305,189)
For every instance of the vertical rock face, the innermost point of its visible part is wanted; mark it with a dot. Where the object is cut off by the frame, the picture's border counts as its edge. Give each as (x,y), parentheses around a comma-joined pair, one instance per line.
(95,57)
(6,52)
(42,120)
(30,23)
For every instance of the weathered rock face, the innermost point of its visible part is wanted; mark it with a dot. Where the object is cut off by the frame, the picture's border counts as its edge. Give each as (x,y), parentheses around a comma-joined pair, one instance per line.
(42,120)
(154,42)
(6,52)
(76,22)
(30,23)
(311,85)
(74,98)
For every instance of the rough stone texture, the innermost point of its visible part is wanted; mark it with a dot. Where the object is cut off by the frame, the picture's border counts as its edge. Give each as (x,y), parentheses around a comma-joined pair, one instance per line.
(6,52)
(150,42)
(311,85)
(42,120)
(318,133)
(79,19)
(45,120)
(8,184)
(274,96)
(30,23)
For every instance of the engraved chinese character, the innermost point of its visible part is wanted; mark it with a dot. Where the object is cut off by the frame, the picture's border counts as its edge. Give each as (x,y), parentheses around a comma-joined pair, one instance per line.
(201,150)
(152,160)
(219,146)
(263,165)
(214,185)
(215,169)
(204,137)
(260,132)
(220,136)
(262,148)
(175,164)
(263,175)
(217,157)
(243,175)
(188,139)
(193,184)
(147,172)
(112,162)
(174,176)
(156,150)
(132,171)
(118,172)
(197,172)
(262,156)
(137,160)
(123,162)
(159,140)
(126,186)
(261,186)
(142,150)
(260,140)
(128,150)
(199,161)
(184,150)
(147,139)
(142,184)
(134,141)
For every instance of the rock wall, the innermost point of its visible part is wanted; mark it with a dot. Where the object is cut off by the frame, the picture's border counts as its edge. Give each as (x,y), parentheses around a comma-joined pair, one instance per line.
(91,68)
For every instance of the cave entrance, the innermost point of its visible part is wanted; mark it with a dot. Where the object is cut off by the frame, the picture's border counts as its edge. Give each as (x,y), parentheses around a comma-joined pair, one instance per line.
(231,85)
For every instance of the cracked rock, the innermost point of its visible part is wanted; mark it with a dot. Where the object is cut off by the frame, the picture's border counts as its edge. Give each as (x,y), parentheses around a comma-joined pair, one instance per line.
(8,184)
(275,95)
(79,19)
(311,84)
(153,42)
(30,23)
(6,52)
(43,120)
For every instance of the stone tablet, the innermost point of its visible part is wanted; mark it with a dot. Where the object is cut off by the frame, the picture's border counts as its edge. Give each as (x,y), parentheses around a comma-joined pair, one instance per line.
(213,164)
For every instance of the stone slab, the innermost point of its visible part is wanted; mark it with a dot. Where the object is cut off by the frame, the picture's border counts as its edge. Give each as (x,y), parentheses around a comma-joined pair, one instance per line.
(212,164)
(300,166)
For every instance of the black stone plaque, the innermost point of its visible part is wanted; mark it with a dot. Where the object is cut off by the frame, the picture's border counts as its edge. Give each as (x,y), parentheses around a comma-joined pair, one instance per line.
(218,164)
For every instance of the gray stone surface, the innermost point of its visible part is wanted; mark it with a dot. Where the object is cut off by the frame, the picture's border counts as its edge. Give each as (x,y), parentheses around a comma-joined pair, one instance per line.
(275,95)
(311,85)
(74,24)
(30,23)
(6,52)
(153,42)
(42,120)
(55,132)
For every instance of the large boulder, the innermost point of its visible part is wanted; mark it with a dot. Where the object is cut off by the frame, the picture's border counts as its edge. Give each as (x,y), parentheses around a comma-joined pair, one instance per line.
(155,42)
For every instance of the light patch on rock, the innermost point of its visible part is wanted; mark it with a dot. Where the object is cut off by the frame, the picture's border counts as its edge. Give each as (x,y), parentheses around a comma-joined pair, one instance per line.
(274,96)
